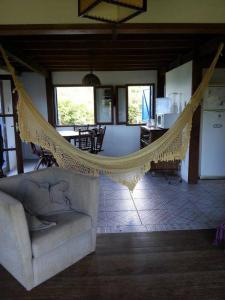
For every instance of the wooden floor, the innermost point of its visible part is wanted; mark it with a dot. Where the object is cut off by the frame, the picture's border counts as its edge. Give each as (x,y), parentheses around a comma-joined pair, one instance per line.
(160,265)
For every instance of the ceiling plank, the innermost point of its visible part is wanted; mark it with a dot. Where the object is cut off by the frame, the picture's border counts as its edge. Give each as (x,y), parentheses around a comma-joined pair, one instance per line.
(116,45)
(18,57)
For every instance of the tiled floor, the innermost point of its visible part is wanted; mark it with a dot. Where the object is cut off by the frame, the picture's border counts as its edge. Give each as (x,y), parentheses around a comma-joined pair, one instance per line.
(156,205)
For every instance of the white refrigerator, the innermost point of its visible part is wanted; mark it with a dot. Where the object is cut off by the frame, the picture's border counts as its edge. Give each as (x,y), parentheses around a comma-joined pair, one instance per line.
(212,136)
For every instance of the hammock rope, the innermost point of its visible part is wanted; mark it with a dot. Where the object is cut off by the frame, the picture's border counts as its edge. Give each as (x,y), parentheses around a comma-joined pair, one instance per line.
(128,169)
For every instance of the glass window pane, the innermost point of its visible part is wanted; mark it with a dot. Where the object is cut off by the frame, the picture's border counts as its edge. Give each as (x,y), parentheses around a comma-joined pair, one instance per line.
(139,104)
(121,104)
(104,105)
(7,96)
(12,161)
(7,131)
(75,105)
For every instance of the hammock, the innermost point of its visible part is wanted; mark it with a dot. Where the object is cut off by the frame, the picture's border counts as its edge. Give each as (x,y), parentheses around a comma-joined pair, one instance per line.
(127,169)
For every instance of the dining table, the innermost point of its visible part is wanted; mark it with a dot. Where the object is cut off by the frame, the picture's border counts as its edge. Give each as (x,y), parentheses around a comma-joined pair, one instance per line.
(85,139)
(69,134)
(73,135)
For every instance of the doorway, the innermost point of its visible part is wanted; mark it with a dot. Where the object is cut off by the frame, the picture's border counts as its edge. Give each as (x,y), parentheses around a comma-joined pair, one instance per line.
(9,133)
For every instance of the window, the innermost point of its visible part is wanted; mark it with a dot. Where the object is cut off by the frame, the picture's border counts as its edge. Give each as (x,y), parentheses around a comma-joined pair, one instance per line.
(104,104)
(121,104)
(75,105)
(84,105)
(140,106)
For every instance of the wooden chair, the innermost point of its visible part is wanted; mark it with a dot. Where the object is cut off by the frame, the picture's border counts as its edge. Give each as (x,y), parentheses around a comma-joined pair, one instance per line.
(85,140)
(78,128)
(45,157)
(81,127)
(98,140)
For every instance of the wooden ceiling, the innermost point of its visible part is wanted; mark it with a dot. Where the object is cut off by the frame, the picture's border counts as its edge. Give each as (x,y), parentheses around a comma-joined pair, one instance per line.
(102,47)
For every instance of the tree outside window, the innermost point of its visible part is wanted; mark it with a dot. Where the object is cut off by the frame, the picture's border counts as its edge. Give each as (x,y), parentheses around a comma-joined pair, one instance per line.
(75,105)
(140,99)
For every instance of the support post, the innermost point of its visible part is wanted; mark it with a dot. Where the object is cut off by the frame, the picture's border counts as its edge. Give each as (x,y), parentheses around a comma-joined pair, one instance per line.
(18,143)
(50,100)
(161,83)
(193,172)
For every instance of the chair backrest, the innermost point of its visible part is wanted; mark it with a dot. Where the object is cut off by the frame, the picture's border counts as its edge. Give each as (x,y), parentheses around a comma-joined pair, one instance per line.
(99,138)
(85,140)
(81,127)
(35,150)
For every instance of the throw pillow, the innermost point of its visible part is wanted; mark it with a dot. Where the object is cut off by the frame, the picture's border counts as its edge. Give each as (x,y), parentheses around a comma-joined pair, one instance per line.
(43,199)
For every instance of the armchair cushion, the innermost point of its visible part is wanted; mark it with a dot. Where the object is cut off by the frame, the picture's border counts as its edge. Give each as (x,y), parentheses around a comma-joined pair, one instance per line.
(35,223)
(68,225)
(44,199)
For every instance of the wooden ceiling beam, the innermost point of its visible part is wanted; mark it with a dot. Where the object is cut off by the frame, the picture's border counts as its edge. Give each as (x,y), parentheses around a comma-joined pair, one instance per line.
(128,28)
(109,51)
(116,45)
(102,39)
(204,49)
(19,58)
(153,62)
(116,55)
(70,69)
(211,46)
(100,61)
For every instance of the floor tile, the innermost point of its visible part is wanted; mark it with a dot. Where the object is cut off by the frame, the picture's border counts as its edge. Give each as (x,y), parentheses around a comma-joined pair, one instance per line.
(102,219)
(166,216)
(117,229)
(122,218)
(146,203)
(115,195)
(117,205)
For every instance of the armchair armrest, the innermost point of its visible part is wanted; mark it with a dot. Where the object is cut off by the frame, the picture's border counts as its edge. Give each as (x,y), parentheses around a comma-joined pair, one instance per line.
(15,243)
(85,195)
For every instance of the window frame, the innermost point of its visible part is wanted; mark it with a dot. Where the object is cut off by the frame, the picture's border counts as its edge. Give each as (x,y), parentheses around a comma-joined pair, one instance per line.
(152,104)
(56,103)
(117,87)
(112,106)
(115,105)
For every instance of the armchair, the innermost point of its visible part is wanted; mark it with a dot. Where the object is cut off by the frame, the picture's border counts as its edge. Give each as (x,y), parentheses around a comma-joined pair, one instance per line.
(34,256)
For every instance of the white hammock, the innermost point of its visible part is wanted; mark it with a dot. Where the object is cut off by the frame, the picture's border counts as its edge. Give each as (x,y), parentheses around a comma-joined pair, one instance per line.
(127,169)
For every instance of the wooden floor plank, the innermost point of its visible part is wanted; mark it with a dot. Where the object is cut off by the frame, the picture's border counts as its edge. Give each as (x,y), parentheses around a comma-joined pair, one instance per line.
(160,265)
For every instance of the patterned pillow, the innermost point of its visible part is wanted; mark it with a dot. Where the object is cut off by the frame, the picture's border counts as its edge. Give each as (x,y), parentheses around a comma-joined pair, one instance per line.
(43,199)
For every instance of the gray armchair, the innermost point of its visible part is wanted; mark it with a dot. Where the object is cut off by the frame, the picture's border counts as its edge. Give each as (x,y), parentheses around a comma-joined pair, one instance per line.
(34,256)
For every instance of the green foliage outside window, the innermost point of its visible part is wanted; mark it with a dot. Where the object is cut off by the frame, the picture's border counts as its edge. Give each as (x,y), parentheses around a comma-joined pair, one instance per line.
(75,105)
(70,113)
(133,114)
(135,104)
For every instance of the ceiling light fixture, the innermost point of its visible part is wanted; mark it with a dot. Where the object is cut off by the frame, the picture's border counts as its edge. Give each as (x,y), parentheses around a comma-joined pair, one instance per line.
(112,11)
(91,80)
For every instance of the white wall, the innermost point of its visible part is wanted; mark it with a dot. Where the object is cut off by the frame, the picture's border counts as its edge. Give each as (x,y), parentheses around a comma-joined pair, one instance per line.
(119,139)
(36,88)
(3,72)
(65,12)
(106,77)
(179,80)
